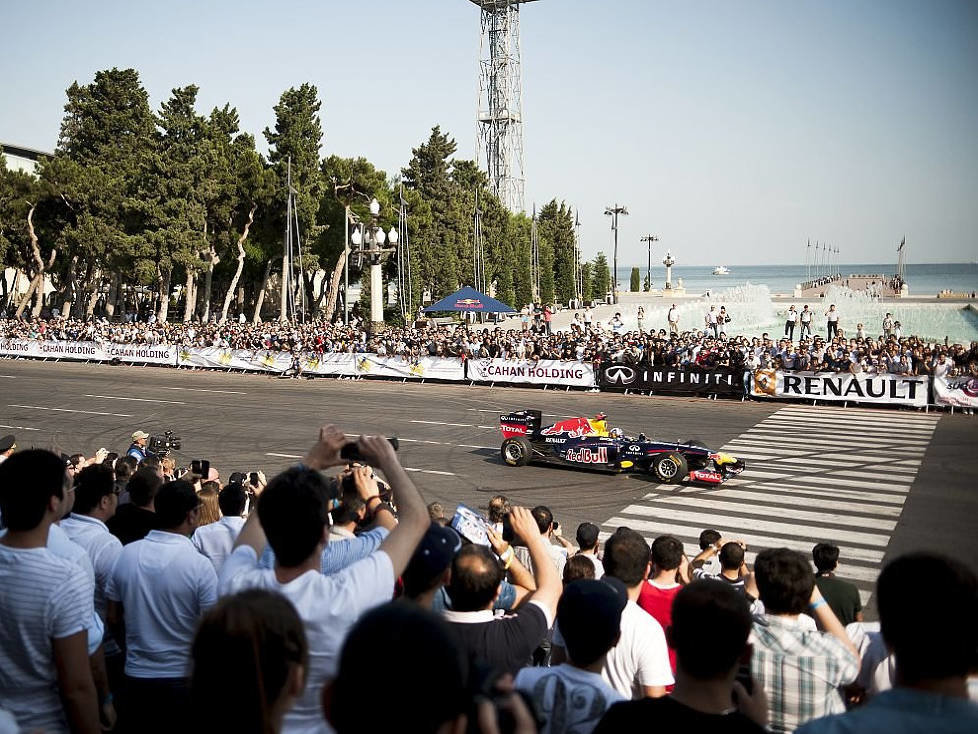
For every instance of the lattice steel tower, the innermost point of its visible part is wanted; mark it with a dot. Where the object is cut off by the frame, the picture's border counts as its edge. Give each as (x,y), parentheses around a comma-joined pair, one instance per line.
(500,109)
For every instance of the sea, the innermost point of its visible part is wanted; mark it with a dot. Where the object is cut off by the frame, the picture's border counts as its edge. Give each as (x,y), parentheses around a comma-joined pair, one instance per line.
(924,279)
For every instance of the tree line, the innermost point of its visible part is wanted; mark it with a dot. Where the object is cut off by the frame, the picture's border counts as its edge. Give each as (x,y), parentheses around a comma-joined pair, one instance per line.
(180,212)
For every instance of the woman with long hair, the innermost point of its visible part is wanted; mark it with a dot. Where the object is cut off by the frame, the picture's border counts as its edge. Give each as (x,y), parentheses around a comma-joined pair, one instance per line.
(250,658)
(209,509)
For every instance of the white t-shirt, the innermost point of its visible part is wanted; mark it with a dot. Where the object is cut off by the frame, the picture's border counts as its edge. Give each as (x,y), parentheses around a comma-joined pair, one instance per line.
(165,586)
(216,539)
(641,657)
(328,605)
(103,550)
(44,598)
(596,562)
(568,699)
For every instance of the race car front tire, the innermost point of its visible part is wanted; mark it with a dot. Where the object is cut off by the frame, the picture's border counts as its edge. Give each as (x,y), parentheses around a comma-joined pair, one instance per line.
(670,468)
(516,451)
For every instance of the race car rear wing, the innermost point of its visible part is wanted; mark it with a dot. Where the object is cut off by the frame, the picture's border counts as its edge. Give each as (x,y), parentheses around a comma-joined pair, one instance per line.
(520,423)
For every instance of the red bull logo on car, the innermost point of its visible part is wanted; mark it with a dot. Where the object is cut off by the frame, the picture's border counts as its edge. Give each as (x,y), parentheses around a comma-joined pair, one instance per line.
(588,456)
(571,428)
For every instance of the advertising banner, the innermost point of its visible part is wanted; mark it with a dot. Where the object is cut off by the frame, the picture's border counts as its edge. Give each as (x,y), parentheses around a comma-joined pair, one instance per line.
(36,349)
(20,348)
(165,354)
(429,368)
(233,359)
(664,379)
(330,364)
(959,391)
(550,372)
(883,389)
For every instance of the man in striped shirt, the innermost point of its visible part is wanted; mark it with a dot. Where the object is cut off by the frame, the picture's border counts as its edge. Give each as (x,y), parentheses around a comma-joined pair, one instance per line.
(46,605)
(801,670)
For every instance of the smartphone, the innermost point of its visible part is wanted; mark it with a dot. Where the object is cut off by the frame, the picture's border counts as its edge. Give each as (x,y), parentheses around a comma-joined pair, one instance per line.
(200,467)
(350,452)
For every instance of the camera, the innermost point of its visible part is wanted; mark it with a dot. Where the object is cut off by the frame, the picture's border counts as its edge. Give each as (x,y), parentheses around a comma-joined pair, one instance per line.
(351,453)
(162,445)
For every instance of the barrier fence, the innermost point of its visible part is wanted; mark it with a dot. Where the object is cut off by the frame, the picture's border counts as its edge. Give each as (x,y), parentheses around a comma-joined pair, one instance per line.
(882,389)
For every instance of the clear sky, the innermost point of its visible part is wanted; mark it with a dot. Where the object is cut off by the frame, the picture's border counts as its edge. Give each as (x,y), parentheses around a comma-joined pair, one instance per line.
(732,130)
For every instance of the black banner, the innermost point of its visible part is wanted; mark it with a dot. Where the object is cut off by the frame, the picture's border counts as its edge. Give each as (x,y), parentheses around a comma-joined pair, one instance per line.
(671,380)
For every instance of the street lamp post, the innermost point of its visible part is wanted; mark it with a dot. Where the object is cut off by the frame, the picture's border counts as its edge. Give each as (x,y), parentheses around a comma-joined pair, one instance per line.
(613,212)
(649,239)
(369,241)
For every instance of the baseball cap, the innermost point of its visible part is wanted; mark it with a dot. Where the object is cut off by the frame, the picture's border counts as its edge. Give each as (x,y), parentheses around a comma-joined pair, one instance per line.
(435,552)
(589,617)
(139,434)
(8,442)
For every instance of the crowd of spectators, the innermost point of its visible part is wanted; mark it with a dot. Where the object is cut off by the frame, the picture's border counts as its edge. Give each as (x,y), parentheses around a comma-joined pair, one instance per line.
(710,348)
(339,601)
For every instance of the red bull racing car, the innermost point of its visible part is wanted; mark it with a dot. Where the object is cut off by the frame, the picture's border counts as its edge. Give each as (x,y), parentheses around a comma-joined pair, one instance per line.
(587,443)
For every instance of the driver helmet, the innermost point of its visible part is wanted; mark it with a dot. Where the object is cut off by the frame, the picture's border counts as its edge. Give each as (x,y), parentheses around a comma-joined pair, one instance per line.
(601,417)
(616,433)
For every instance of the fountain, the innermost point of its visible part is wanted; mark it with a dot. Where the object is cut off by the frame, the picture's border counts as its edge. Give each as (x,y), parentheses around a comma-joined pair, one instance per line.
(753,312)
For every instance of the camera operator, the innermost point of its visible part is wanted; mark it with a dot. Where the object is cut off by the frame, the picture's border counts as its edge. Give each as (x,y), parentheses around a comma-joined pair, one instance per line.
(137,449)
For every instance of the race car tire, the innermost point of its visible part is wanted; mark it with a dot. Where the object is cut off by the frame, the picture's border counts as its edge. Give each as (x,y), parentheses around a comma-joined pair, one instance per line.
(516,451)
(670,468)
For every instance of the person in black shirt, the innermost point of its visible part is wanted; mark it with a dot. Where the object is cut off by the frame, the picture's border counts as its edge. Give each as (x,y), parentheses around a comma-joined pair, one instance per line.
(504,644)
(842,596)
(710,626)
(134,520)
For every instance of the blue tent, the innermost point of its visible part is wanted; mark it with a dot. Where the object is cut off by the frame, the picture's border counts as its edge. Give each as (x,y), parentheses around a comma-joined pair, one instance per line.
(469,299)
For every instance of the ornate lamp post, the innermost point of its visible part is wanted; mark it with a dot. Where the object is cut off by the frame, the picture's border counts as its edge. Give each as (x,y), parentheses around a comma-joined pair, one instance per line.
(614,212)
(649,239)
(369,242)
(668,262)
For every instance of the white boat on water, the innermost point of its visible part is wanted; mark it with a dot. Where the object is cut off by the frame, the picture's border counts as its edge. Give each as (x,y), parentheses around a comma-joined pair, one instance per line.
(721,270)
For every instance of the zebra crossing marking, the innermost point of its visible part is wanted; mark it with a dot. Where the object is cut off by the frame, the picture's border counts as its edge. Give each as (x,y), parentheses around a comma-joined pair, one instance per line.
(814,474)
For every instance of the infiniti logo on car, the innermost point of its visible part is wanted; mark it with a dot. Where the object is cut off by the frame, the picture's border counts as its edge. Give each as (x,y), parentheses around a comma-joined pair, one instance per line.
(620,374)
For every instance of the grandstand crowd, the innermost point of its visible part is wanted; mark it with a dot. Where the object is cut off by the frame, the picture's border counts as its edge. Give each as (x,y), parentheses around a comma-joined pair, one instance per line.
(140,596)
(530,337)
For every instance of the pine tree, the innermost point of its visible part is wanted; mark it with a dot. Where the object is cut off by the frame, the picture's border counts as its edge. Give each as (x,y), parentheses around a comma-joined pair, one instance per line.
(587,282)
(635,281)
(602,276)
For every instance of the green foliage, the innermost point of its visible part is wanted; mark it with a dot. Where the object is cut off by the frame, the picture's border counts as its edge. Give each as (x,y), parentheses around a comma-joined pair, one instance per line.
(635,281)
(556,227)
(519,236)
(587,282)
(602,276)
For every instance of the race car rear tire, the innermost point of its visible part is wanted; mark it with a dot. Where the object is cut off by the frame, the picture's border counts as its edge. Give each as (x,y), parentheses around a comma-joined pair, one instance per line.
(670,468)
(516,451)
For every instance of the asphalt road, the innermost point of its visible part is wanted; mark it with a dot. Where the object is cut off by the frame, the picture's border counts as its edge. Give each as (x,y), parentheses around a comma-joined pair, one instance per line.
(449,437)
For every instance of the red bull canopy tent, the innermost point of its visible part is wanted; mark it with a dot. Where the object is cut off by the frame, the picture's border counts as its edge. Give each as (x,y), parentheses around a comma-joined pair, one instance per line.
(469,299)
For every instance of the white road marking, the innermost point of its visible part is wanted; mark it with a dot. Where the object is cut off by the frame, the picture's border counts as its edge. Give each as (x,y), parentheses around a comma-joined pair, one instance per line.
(406,468)
(9,377)
(66,410)
(441,423)
(826,474)
(138,400)
(203,389)
(21,428)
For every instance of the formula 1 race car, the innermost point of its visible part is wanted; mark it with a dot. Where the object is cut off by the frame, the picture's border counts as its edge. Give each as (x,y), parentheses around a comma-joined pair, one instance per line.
(587,443)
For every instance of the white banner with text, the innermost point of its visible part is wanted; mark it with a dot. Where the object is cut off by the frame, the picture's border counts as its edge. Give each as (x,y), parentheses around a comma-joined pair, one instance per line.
(549,372)
(840,386)
(958,391)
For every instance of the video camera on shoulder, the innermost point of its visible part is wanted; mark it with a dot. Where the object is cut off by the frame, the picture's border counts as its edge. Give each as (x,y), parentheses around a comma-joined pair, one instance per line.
(161,446)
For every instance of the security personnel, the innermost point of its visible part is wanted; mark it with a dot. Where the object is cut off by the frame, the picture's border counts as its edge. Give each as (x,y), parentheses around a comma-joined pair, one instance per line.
(8,444)
(137,449)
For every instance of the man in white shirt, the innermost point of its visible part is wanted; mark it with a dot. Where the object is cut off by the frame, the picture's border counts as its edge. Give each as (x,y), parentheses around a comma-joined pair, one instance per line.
(292,513)
(160,587)
(639,664)
(588,541)
(216,540)
(550,531)
(673,318)
(46,605)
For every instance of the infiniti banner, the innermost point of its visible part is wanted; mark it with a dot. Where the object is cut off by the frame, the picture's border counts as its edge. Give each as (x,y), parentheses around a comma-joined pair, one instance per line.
(664,379)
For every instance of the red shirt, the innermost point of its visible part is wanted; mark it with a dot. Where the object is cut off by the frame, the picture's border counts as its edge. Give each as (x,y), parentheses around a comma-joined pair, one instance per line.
(658,603)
